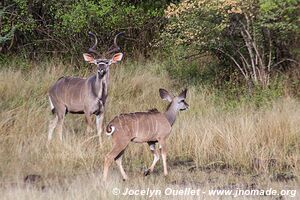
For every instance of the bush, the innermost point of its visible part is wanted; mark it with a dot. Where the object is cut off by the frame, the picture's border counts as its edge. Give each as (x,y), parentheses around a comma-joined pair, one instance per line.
(254,36)
(61,26)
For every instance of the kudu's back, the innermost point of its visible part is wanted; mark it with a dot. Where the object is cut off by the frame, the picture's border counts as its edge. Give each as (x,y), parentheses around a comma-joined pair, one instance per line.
(140,126)
(70,92)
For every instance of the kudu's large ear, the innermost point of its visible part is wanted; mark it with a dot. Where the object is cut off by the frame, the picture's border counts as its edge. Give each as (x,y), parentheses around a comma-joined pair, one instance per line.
(88,58)
(116,58)
(164,94)
(183,94)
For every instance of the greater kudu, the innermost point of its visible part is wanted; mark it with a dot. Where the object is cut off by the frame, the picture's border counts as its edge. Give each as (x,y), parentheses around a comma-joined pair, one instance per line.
(83,95)
(141,127)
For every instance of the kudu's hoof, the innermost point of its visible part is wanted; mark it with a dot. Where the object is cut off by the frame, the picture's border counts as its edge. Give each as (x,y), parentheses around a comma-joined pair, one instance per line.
(147,172)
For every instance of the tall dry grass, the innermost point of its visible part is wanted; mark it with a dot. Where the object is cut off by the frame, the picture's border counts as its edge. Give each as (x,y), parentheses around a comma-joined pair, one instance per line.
(208,147)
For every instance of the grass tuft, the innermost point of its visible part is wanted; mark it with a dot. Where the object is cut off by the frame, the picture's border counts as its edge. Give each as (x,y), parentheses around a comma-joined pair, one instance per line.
(209,147)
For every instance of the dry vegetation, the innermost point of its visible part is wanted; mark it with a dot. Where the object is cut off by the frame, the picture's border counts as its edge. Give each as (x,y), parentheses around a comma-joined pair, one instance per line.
(208,148)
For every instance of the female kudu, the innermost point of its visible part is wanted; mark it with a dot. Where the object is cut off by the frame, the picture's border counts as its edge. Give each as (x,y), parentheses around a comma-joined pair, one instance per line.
(140,127)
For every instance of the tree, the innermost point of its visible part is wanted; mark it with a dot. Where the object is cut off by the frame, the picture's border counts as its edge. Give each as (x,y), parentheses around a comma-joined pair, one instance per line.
(39,26)
(245,33)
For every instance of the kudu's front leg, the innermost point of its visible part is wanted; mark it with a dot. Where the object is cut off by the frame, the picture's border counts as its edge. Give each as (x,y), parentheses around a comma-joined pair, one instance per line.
(99,121)
(99,125)
(163,150)
(88,118)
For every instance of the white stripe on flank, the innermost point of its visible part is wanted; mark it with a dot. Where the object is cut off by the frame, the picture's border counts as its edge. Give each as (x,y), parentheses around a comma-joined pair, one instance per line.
(51,104)
(112,131)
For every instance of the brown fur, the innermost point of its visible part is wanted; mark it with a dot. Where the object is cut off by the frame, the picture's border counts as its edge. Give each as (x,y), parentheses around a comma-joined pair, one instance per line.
(80,95)
(140,127)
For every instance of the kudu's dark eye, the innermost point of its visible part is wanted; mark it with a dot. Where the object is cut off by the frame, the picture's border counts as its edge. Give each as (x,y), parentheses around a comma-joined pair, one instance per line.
(102,62)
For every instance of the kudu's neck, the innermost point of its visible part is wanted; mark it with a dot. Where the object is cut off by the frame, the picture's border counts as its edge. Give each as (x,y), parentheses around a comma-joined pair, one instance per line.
(171,113)
(99,83)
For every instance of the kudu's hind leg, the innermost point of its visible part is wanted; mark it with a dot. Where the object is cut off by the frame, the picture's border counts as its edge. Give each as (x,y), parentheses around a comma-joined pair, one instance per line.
(57,122)
(52,126)
(60,126)
(119,163)
(60,115)
(156,158)
(117,149)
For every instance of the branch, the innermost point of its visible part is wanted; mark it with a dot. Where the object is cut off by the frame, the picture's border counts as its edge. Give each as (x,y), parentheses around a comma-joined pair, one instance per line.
(235,62)
(243,58)
(193,55)
(250,54)
(244,66)
(253,43)
(270,51)
(286,59)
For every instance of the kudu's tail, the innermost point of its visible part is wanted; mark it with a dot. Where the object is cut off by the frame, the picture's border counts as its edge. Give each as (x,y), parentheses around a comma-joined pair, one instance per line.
(51,106)
(110,129)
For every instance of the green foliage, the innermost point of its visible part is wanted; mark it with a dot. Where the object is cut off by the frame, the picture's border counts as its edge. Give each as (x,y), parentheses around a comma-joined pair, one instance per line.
(280,15)
(61,26)
(253,36)
(7,35)
(233,95)
(191,71)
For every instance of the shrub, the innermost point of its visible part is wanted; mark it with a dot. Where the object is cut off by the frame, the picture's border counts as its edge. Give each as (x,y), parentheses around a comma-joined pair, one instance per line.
(254,36)
(61,26)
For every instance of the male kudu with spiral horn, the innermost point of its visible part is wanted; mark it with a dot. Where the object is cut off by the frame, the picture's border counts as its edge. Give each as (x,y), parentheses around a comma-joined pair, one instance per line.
(83,95)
